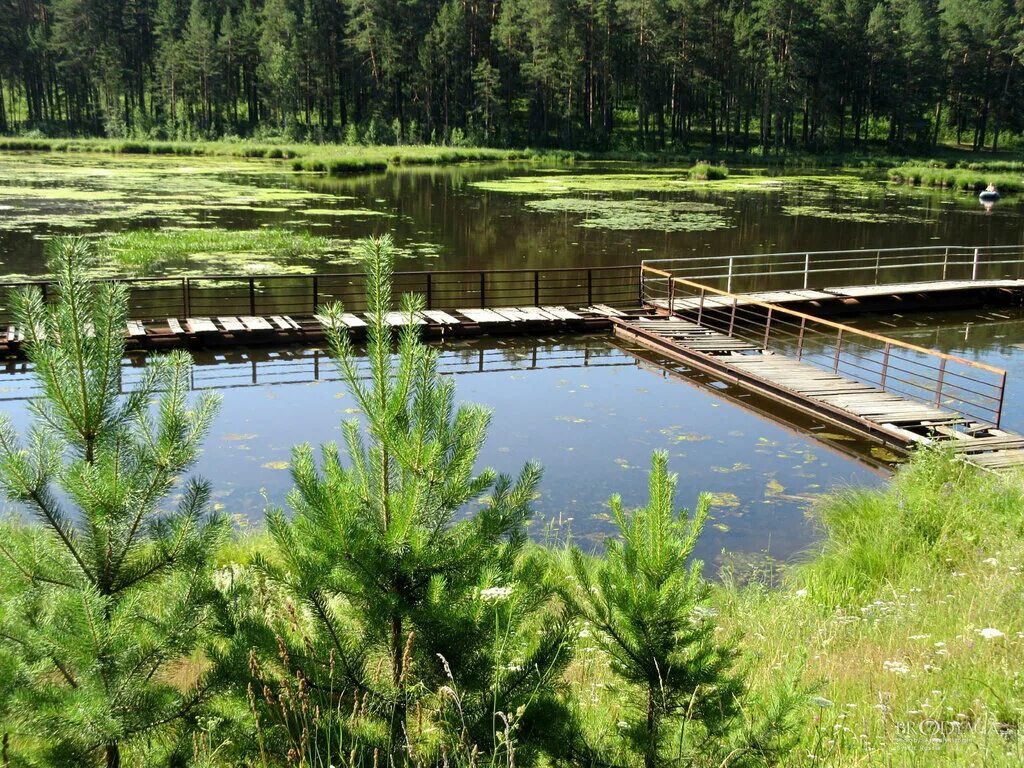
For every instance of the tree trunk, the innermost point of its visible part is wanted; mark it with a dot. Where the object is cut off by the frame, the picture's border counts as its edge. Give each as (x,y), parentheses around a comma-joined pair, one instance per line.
(651,748)
(112,755)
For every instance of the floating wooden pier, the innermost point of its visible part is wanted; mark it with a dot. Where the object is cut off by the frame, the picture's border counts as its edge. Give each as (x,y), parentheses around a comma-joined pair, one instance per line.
(248,330)
(895,393)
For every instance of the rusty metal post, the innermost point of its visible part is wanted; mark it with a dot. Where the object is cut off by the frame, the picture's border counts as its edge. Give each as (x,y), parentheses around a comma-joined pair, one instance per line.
(767,328)
(885,365)
(1002,394)
(839,346)
(252,296)
(938,384)
(316,293)
(800,339)
(700,306)
(483,298)
(430,290)
(732,317)
(671,297)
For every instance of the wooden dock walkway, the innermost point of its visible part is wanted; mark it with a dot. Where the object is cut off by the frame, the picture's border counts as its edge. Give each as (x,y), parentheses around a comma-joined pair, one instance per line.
(244,330)
(895,393)
(864,298)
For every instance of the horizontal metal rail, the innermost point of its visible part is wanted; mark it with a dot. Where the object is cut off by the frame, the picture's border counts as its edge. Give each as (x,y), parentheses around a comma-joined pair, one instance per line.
(160,297)
(811,270)
(967,387)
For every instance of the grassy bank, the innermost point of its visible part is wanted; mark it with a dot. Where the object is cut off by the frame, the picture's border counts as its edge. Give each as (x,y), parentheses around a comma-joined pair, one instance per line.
(334,158)
(965,179)
(909,617)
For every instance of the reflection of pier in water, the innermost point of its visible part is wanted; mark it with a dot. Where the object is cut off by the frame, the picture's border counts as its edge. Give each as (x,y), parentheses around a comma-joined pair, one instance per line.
(264,366)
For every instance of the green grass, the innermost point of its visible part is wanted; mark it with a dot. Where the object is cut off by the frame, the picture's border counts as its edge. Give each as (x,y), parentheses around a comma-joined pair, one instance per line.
(323,158)
(148,251)
(885,617)
(890,609)
(704,171)
(964,179)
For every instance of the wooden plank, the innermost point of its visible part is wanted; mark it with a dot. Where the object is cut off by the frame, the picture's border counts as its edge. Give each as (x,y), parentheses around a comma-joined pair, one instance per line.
(255,323)
(482,315)
(512,314)
(538,313)
(136,328)
(562,313)
(397,319)
(201,325)
(175,326)
(11,332)
(230,324)
(439,317)
(281,323)
(295,326)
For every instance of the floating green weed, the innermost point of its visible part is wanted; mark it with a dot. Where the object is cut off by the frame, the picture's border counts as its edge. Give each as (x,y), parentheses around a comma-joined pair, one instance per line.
(636,214)
(846,214)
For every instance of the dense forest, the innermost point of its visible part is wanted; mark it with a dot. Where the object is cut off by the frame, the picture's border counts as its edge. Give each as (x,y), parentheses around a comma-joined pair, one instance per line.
(767,75)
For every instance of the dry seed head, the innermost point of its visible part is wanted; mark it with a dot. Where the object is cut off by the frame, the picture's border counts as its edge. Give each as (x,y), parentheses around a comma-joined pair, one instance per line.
(282,651)
(407,657)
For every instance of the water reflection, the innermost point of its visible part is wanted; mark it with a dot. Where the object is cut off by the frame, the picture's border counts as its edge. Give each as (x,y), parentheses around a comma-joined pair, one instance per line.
(589,411)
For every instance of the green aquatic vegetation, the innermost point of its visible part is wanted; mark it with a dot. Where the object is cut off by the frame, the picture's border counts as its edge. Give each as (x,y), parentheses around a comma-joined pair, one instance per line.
(636,214)
(704,171)
(147,251)
(861,216)
(342,212)
(334,159)
(85,192)
(670,180)
(963,179)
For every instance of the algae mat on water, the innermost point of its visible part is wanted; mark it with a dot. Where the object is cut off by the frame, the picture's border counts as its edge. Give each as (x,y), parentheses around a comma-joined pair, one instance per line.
(43,194)
(638,213)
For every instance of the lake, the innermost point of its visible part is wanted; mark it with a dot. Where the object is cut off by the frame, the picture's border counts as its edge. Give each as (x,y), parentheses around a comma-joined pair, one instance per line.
(589,408)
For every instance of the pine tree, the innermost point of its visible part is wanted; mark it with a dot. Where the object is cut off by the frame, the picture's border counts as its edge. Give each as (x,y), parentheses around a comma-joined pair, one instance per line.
(413,584)
(112,582)
(647,608)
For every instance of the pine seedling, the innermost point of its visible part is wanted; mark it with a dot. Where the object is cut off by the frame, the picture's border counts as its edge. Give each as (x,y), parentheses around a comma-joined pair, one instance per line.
(646,604)
(110,602)
(407,563)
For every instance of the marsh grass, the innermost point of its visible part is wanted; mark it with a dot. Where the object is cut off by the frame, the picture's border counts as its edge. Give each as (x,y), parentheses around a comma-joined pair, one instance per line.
(705,171)
(147,251)
(963,179)
(333,159)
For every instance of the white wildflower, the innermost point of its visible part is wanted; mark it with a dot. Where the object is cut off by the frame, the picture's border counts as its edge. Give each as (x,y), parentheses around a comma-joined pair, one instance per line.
(622,724)
(990,633)
(990,561)
(821,701)
(495,593)
(801,593)
(918,637)
(896,667)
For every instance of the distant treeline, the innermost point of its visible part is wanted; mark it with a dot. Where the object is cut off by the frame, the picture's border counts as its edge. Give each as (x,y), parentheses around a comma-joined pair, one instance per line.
(591,74)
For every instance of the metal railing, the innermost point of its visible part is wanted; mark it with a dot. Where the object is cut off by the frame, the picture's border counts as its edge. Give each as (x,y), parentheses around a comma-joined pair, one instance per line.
(969,388)
(160,297)
(816,270)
